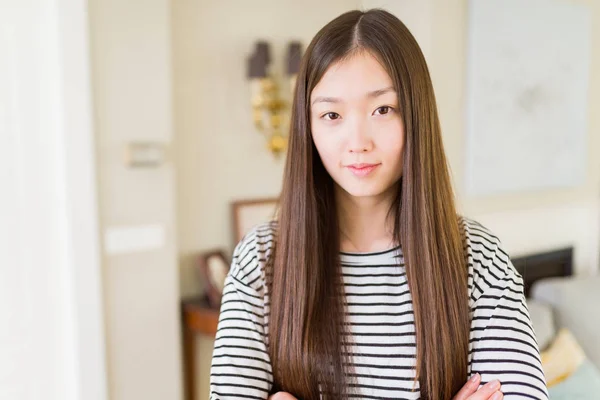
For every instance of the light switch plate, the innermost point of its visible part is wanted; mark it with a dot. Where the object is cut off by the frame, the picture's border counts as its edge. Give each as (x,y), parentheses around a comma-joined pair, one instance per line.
(145,154)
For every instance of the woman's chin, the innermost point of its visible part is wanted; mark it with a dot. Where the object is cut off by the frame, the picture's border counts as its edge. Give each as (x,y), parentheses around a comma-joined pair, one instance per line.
(363,190)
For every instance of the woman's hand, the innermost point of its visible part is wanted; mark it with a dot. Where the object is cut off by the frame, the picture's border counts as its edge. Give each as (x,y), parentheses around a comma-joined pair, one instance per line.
(282,396)
(490,391)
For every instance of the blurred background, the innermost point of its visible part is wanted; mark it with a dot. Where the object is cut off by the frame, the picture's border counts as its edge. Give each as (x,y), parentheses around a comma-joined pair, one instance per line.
(132,149)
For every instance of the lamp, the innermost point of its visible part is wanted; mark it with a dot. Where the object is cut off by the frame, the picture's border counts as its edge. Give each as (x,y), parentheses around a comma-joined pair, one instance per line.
(270,112)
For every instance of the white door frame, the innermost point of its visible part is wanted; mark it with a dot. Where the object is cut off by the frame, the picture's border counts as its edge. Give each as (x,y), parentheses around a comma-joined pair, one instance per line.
(82,195)
(51,299)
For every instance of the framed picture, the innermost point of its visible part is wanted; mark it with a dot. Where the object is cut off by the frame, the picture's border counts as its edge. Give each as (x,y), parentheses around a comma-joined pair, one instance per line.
(213,266)
(246,214)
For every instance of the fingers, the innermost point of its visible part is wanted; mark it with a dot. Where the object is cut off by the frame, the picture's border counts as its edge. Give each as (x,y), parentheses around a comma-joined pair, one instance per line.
(282,396)
(497,396)
(469,388)
(489,391)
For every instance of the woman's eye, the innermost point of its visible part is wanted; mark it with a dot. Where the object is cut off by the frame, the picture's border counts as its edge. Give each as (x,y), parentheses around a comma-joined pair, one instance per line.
(384,110)
(331,116)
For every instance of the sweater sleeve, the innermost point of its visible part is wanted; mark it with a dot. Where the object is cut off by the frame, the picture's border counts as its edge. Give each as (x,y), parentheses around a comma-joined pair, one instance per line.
(241,368)
(502,342)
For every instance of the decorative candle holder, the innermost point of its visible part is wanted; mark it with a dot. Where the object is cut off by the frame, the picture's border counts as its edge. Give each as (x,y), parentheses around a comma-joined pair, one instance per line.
(270,111)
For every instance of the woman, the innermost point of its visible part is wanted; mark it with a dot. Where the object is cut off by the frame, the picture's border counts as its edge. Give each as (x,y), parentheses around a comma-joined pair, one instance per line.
(369,285)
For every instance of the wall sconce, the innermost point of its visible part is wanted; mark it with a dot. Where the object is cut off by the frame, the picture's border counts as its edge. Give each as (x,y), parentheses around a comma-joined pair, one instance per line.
(270,111)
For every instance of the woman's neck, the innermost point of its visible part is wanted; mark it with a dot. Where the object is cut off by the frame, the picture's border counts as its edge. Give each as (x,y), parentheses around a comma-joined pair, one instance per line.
(365,223)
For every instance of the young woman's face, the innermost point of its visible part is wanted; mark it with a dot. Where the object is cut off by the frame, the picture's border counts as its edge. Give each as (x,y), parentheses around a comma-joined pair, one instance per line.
(356,126)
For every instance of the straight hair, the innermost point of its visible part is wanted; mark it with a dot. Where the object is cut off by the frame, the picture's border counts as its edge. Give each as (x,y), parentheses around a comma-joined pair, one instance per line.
(307,339)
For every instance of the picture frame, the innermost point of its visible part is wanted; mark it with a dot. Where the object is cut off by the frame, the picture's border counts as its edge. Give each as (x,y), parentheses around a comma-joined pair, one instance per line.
(213,267)
(246,214)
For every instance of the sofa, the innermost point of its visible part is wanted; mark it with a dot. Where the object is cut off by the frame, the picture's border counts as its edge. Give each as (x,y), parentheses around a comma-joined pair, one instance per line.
(565,313)
(568,302)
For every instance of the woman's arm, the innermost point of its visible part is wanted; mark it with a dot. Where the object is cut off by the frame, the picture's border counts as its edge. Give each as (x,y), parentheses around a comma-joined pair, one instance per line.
(241,368)
(502,342)
(469,391)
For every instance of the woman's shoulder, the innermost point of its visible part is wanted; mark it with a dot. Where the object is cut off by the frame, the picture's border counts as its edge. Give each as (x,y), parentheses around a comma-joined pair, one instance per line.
(251,254)
(490,266)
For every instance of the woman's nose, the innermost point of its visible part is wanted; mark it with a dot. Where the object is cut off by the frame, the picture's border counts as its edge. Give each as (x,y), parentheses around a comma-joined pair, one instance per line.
(359,139)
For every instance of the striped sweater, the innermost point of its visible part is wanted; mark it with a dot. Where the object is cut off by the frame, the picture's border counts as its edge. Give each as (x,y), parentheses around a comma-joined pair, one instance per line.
(380,315)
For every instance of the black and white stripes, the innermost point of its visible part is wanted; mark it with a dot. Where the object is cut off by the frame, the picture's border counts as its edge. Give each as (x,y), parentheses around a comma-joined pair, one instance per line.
(380,317)
(502,342)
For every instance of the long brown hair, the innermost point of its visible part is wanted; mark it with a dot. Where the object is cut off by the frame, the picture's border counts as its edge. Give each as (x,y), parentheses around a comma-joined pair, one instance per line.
(307,337)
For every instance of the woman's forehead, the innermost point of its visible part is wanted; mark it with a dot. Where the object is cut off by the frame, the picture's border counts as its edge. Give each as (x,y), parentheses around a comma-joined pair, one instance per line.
(359,76)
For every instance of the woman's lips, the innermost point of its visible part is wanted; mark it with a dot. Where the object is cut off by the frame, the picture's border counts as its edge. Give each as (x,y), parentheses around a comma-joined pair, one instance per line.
(362,170)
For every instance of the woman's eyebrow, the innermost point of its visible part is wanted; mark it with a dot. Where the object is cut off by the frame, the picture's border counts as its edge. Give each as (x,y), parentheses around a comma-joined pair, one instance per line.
(371,94)
(379,92)
(323,99)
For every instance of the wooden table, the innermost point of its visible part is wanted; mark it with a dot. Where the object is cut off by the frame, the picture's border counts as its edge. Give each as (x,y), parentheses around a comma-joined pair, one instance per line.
(198,319)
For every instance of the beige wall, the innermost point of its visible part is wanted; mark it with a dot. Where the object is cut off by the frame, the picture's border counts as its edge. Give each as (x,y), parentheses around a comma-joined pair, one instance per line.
(132,85)
(525,222)
(221,158)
